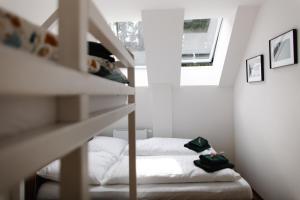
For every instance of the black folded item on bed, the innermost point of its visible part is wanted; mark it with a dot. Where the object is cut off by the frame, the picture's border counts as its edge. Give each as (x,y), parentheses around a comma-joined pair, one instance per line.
(213,159)
(98,50)
(199,144)
(212,163)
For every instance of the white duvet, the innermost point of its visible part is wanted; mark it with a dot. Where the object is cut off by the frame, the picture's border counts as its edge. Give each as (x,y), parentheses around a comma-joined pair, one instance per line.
(159,160)
(99,163)
(165,169)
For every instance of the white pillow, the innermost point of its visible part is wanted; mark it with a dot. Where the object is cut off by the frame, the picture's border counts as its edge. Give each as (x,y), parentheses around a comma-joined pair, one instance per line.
(99,163)
(108,144)
(163,146)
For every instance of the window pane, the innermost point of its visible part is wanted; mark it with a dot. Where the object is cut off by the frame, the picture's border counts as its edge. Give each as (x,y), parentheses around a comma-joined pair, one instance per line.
(199,41)
(130,34)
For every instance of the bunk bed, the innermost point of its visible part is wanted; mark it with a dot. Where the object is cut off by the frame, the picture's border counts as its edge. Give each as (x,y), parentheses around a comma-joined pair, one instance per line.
(68,81)
(165,170)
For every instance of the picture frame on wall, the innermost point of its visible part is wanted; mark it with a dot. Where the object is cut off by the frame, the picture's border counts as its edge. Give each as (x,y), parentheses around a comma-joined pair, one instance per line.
(283,49)
(255,69)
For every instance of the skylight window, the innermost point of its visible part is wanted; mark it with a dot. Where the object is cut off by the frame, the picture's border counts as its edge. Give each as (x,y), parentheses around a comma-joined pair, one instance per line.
(199,41)
(130,34)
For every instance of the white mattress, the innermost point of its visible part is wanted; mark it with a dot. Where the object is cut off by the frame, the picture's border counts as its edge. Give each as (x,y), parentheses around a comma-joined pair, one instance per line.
(186,191)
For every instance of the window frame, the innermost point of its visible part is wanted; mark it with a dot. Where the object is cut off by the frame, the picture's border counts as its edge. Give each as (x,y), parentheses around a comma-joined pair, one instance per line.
(205,61)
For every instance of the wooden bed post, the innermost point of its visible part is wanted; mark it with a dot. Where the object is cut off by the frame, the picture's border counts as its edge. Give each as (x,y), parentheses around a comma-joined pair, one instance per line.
(18,192)
(73,26)
(131,136)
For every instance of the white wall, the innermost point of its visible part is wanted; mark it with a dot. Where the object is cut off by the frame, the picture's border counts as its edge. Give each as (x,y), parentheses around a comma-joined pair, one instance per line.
(267,114)
(143,112)
(36,11)
(196,111)
(162,30)
(162,109)
(205,111)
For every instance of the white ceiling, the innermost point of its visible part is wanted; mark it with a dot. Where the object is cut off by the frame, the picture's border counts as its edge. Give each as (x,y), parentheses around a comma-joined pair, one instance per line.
(116,10)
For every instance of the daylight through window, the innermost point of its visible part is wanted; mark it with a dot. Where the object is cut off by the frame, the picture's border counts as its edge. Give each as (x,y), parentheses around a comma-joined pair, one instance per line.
(199,41)
(131,35)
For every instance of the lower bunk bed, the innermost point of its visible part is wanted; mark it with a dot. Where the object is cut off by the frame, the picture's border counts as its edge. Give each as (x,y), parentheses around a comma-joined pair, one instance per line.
(165,170)
(237,190)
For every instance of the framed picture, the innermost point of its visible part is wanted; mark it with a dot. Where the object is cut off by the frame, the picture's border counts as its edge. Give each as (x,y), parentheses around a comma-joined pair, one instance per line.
(283,49)
(255,69)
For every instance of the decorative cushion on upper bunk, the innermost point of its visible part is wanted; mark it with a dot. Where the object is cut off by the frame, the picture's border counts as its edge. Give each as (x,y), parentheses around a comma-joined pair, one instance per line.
(19,33)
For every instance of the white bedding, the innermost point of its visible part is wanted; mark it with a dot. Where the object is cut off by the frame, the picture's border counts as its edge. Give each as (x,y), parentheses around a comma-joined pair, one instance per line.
(237,190)
(99,163)
(159,160)
(163,172)
(111,145)
(164,146)
(165,169)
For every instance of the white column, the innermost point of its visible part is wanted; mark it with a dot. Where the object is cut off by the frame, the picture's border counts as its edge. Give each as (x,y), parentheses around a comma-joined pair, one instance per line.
(73,26)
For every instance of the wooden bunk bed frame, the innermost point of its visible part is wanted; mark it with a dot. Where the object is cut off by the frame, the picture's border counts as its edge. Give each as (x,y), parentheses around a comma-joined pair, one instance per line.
(23,154)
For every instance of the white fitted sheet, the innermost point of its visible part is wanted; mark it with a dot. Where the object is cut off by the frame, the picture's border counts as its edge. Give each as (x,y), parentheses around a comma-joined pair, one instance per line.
(237,190)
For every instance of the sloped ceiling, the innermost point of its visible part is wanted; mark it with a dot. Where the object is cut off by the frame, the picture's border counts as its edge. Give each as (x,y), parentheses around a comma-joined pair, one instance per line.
(162,36)
(239,13)
(240,34)
(37,11)
(115,10)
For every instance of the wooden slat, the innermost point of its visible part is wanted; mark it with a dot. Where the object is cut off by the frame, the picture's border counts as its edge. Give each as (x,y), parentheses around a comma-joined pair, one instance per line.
(30,75)
(48,144)
(50,20)
(103,34)
(100,29)
(74,175)
(131,136)
(18,192)
(119,64)
(73,26)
